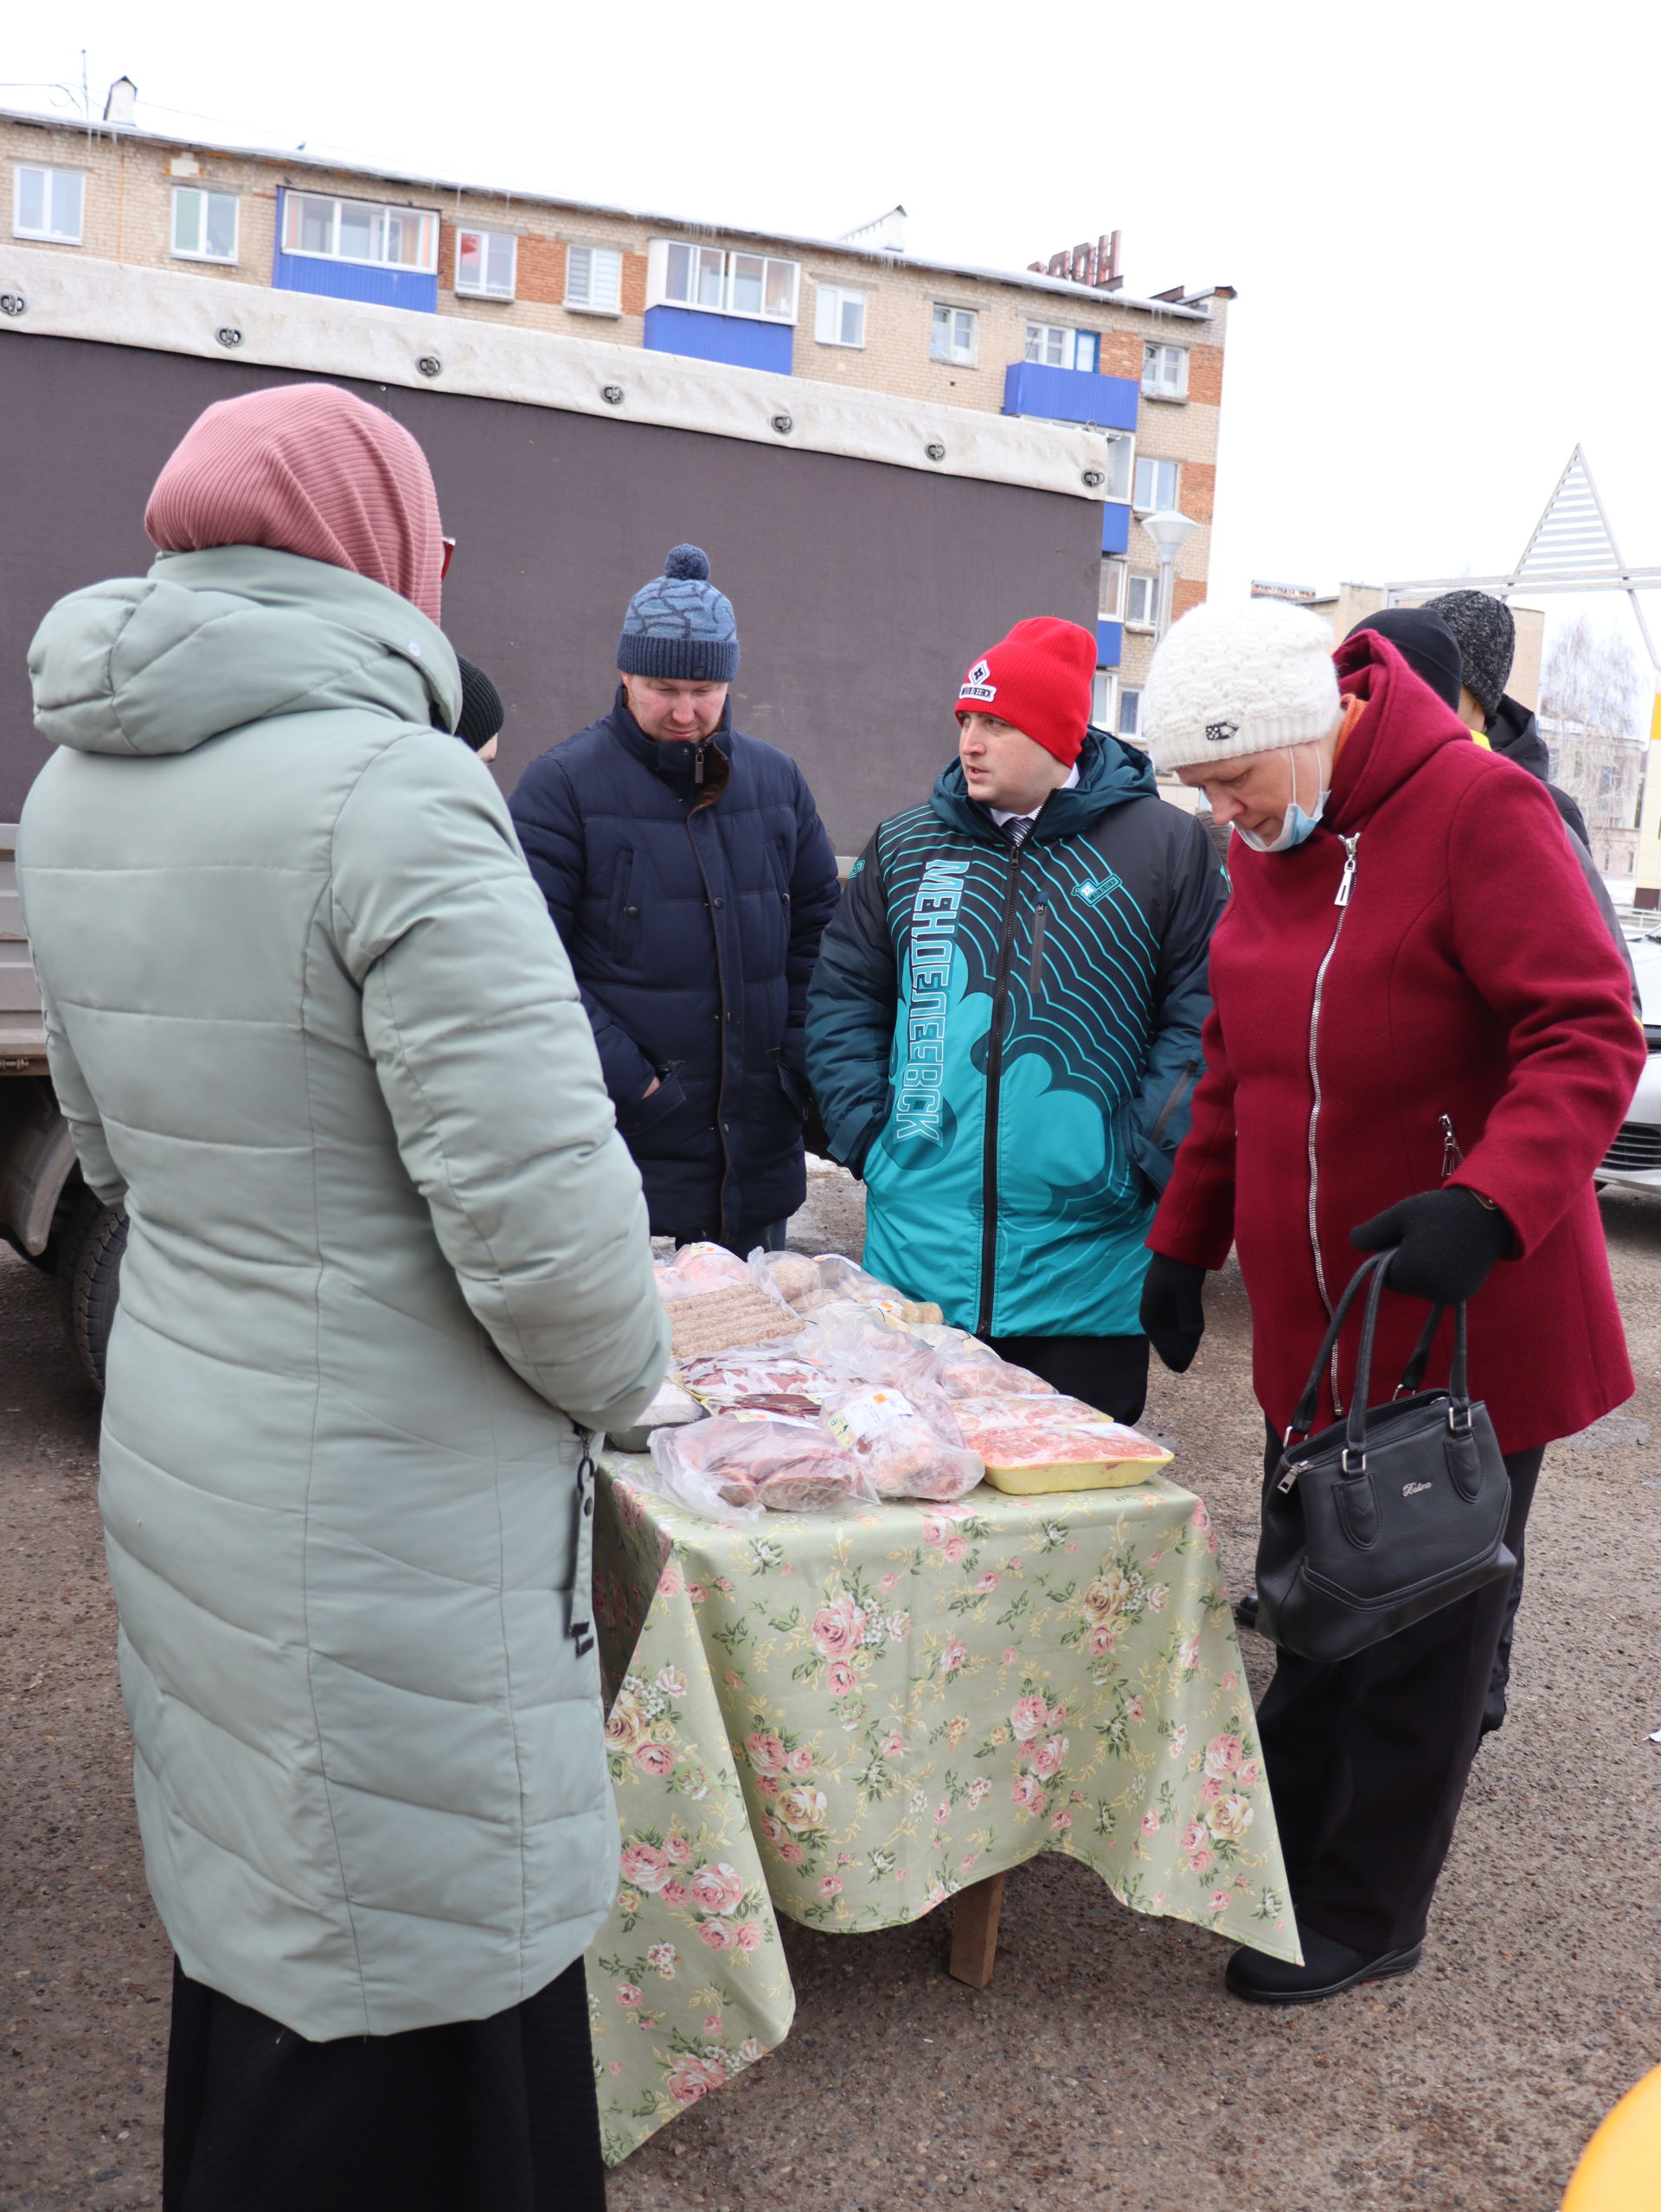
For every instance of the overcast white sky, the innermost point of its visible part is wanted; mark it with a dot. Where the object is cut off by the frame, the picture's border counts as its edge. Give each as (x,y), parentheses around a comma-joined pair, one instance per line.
(1441,218)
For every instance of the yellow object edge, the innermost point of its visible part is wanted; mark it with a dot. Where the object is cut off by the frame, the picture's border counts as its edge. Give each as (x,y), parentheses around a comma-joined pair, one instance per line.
(1620,2167)
(1076,1474)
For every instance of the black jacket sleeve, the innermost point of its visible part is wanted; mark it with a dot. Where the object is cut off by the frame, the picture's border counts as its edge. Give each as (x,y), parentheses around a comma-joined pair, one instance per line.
(850,1014)
(1161,1110)
(548,822)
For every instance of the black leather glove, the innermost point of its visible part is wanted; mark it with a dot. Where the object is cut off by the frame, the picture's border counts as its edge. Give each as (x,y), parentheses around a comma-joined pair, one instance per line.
(1445,1243)
(1173,1315)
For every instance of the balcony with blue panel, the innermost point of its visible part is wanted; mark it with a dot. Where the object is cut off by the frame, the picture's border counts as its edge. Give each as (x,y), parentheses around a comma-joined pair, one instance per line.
(1070,395)
(1110,644)
(380,287)
(738,339)
(1116,526)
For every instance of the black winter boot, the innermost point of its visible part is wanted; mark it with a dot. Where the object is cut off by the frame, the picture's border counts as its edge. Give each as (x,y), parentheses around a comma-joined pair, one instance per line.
(1329,1966)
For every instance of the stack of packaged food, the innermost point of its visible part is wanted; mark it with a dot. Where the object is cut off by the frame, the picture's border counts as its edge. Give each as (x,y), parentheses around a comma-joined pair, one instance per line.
(804,1385)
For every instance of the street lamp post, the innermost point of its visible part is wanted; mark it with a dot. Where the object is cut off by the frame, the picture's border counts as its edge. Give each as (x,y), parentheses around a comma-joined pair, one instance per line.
(1170,533)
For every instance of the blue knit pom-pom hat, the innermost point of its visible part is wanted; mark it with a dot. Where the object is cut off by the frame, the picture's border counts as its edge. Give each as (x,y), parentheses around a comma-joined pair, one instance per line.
(679,625)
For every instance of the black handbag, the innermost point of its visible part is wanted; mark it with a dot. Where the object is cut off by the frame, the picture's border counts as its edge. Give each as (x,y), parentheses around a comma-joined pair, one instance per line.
(1389,1514)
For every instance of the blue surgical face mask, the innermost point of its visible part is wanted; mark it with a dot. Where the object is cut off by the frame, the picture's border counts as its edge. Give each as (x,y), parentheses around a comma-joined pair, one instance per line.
(1299,821)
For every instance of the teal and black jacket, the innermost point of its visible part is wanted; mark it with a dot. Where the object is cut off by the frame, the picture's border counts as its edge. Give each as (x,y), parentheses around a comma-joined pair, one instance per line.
(1004,1040)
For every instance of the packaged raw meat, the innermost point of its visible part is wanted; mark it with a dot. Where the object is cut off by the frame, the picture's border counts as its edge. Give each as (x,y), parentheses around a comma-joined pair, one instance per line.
(713,1321)
(792,1278)
(727,1379)
(745,1461)
(809,1285)
(974,1370)
(669,1409)
(907,1454)
(860,1348)
(1031,1443)
(698,1267)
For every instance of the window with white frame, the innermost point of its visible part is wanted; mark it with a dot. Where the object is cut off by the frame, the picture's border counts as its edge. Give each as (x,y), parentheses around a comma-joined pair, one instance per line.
(1056,347)
(952,335)
(487,263)
(1155,485)
(1164,372)
(1109,598)
(722,280)
(1104,687)
(838,315)
(1130,712)
(1142,599)
(204,224)
(594,278)
(47,203)
(327,229)
(1117,463)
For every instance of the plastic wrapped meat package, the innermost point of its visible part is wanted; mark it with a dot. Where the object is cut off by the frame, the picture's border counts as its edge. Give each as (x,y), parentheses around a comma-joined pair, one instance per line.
(861,1349)
(905,1454)
(698,1267)
(757,1380)
(974,1370)
(732,1465)
(808,1284)
(1031,1443)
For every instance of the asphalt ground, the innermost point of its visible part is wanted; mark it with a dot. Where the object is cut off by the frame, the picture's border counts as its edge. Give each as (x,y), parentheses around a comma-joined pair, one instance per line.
(1104,2067)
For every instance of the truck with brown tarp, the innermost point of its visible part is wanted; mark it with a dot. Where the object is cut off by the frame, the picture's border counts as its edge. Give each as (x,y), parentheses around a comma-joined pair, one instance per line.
(872,546)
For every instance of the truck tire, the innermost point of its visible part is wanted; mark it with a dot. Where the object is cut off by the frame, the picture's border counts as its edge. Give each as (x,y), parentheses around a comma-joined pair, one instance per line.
(89,1275)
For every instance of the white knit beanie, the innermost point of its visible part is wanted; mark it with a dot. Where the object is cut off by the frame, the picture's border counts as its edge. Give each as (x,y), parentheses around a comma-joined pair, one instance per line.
(1228,680)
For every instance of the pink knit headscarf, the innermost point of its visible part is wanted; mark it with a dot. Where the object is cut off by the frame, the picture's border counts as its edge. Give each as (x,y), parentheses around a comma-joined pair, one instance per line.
(306,469)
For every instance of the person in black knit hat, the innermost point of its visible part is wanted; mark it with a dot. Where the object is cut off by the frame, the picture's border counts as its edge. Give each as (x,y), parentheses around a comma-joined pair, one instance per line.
(481,711)
(1486,632)
(686,870)
(1424,642)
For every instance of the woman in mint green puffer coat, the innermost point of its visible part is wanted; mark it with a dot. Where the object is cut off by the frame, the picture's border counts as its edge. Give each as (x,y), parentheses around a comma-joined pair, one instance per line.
(387,1261)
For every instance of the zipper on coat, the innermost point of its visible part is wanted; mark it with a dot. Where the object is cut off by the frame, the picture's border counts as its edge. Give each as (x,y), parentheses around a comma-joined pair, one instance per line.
(1346,884)
(723,1014)
(698,764)
(994,1071)
(1451,1155)
(1036,972)
(581,1629)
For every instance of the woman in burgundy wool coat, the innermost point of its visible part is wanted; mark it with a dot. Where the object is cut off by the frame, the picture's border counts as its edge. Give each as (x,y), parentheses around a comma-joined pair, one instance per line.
(1422,1040)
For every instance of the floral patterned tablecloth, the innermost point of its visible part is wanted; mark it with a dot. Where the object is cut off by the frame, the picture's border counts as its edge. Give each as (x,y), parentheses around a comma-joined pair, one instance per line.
(847,1721)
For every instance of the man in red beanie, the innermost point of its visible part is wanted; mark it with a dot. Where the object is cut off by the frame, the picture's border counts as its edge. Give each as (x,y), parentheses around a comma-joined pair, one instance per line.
(1003,1030)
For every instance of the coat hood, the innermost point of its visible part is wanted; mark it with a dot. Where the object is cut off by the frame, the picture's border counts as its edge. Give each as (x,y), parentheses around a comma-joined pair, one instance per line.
(1514,734)
(1110,772)
(210,641)
(1403,725)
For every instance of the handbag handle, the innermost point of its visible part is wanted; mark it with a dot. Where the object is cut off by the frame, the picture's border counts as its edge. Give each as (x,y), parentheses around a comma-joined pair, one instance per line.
(1372,1272)
(1304,1418)
(1413,1373)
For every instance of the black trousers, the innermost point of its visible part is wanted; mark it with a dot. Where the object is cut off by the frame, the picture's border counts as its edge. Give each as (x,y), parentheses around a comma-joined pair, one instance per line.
(495,2115)
(1110,1373)
(1367,1759)
(1493,1712)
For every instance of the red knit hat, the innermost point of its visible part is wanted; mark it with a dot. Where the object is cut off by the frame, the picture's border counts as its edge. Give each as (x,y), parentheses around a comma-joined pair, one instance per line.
(1039,680)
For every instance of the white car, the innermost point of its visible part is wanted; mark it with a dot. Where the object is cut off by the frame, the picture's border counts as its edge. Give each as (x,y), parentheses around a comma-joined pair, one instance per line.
(1634,1159)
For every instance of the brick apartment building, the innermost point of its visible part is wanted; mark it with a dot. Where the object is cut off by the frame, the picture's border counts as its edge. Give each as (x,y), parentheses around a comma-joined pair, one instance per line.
(853,312)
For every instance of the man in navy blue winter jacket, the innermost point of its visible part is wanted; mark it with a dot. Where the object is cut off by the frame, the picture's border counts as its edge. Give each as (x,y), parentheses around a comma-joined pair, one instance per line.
(687,873)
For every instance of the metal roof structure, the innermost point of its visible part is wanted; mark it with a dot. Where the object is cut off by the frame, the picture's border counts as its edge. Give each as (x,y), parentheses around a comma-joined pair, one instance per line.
(1572,549)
